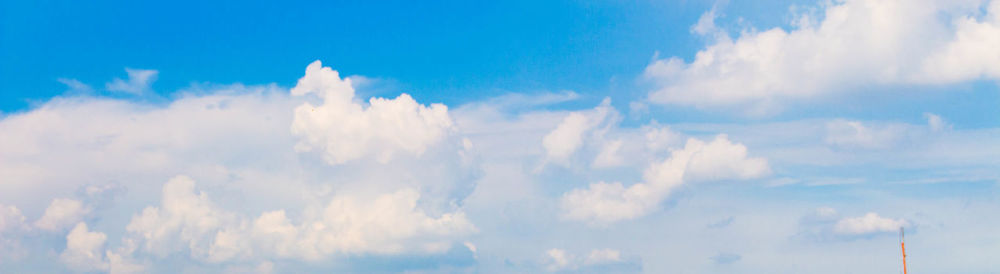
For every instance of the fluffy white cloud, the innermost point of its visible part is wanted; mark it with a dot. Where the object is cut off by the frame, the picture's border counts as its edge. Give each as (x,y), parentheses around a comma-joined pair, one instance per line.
(868,224)
(10,219)
(96,141)
(185,219)
(558,260)
(935,122)
(238,143)
(61,214)
(609,155)
(569,135)
(971,53)
(139,81)
(858,43)
(719,159)
(344,130)
(84,249)
(826,224)
(11,226)
(855,134)
(386,224)
(603,256)
(659,138)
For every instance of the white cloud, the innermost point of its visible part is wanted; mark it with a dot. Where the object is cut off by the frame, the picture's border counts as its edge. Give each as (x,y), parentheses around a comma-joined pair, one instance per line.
(722,160)
(138,83)
(95,141)
(858,43)
(388,224)
(868,224)
(559,260)
(385,224)
(609,155)
(568,137)
(719,159)
(185,219)
(659,138)
(826,224)
(237,143)
(75,85)
(10,219)
(603,256)
(344,130)
(12,226)
(854,134)
(935,122)
(706,24)
(516,101)
(971,54)
(84,250)
(61,214)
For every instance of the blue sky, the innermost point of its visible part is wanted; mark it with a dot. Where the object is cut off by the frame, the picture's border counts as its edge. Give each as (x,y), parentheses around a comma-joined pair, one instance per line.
(517,136)
(450,52)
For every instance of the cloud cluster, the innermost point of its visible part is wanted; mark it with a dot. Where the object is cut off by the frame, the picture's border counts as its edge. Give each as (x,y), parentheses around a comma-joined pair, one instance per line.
(187,220)
(827,224)
(268,201)
(854,44)
(855,134)
(344,130)
(11,226)
(718,159)
(597,260)
(61,214)
(870,223)
(569,136)
(138,83)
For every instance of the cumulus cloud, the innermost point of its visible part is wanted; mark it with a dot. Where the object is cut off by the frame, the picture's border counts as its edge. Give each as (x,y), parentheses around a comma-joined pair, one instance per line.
(719,159)
(101,141)
(344,130)
(971,53)
(568,137)
(855,134)
(597,260)
(12,225)
(61,214)
(870,223)
(559,259)
(85,252)
(10,219)
(84,249)
(187,220)
(238,143)
(603,256)
(857,43)
(826,223)
(138,83)
(660,138)
(609,155)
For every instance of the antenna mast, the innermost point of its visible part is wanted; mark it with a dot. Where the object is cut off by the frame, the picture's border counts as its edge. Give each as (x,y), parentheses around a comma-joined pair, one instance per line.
(902,245)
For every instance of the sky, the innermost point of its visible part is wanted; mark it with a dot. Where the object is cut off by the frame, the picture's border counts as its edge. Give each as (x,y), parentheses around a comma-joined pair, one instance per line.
(502,137)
